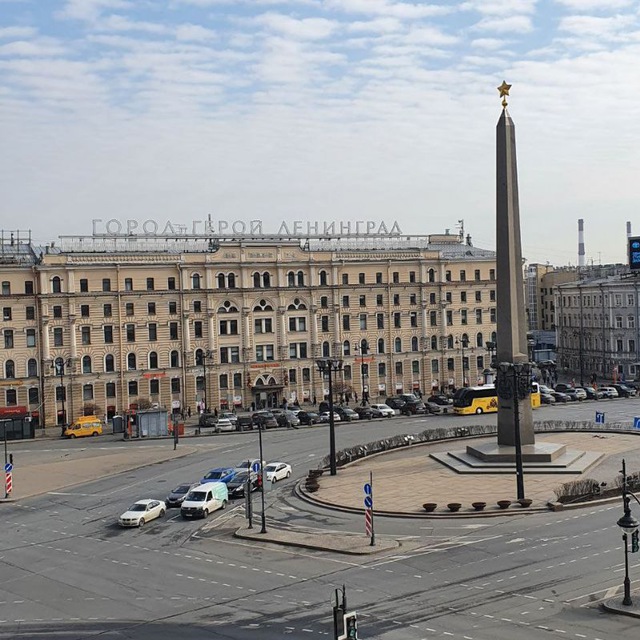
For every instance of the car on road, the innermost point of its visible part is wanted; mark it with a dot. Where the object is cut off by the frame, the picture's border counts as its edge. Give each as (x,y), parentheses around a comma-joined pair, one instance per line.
(229,415)
(624,391)
(547,398)
(220,474)
(84,426)
(237,485)
(576,394)
(438,404)
(286,418)
(593,393)
(560,397)
(562,387)
(324,417)
(413,408)
(609,392)
(245,422)
(264,419)
(385,410)
(176,496)
(207,420)
(141,512)
(277,471)
(366,413)
(395,402)
(308,417)
(224,424)
(346,414)
(204,499)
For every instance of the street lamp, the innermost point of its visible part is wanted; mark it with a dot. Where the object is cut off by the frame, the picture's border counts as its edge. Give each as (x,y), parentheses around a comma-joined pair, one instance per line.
(59,365)
(262,479)
(464,343)
(205,355)
(513,383)
(364,349)
(491,348)
(629,526)
(329,366)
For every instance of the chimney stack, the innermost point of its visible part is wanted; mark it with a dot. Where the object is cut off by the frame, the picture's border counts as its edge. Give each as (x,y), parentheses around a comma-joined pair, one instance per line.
(580,243)
(628,229)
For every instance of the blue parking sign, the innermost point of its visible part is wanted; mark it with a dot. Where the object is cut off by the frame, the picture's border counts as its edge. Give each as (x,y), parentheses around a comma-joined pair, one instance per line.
(636,423)
(599,417)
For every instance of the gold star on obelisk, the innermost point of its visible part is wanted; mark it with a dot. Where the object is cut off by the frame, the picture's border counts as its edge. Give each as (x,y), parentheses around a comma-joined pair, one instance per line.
(504,91)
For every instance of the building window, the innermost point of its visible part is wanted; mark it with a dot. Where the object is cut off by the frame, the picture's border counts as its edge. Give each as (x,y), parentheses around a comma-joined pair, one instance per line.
(58,340)
(297,350)
(196,281)
(174,359)
(150,284)
(197,329)
(84,310)
(326,351)
(397,345)
(261,325)
(173,331)
(492,295)
(413,316)
(476,274)
(380,320)
(396,277)
(32,368)
(85,333)
(237,381)
(56,286)
(415,367)
(449,318)
(6,313)
(363,321)
(396,299)
(346,348)
(434,366)
(129,309)
(463,316)
(346,372)
(450,364)
(131,361)
(345,278)
(414,343)
(171,284)
(224,381)
(631,322)
(492,274)
(108,334)
(413,299)
(151,308)
(345,302)
(433,318)
(175,385)
(463,296)
(324,323)
(107,310)
(86,364)
(9,369)
(84,285)
(34,395)
(109,363)
(323,278)
(382,369)
(264,352)
(106,284)
(110,389)
(128,284)
(30,313)
(380,345)
(492,314)
(478,296)
(153,360)
(131,332)
(173,308)
(11,397)
(363,301)
(412,276)
(346,322)
(153,331)
(298,324)
(479,317)
(480,363)
(324,302)
(133,387)
(154,387)
(197,306)
(399,368)
(397,320)
(31,337)
(28,287)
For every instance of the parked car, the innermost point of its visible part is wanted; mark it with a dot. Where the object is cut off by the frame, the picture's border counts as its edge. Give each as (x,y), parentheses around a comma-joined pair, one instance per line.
(547,398)
(562,387)
(245,465)
(245,422)
(237,485)
(293,418)
(610,392)
(229,415)
(176,496)
(277,471)
(624,391)
(323,406)
(224,424)
(365,413)
(439,404)
(346,414)
(141,512)
(560,397)
(324,417)
(576,394)
(220,474)
(395,402)
(207,420)
(593,393)
(264,419)
(204,499)
(385,410)
(413,408)
(308,417)
(84,426)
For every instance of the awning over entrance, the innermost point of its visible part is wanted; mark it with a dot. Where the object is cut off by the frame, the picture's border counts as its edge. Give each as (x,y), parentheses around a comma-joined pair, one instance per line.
(271,387)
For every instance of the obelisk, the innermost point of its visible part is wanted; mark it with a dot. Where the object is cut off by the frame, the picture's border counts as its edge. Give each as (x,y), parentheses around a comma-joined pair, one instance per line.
(511,320)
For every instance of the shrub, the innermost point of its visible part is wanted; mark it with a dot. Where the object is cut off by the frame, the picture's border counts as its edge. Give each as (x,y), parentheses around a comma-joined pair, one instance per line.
(570,491)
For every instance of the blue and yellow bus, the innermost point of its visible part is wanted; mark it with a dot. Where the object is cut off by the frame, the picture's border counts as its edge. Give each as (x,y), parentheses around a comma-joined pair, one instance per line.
(484,399)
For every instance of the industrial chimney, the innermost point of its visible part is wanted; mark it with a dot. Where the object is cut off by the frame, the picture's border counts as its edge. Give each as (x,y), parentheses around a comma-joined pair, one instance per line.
(580,243)
(628,229)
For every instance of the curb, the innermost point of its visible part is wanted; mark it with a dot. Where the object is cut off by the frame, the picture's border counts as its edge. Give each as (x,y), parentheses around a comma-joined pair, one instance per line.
(616,606)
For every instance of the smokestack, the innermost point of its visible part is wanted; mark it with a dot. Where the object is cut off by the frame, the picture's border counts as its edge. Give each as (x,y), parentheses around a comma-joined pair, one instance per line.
(628,229)
(580,243)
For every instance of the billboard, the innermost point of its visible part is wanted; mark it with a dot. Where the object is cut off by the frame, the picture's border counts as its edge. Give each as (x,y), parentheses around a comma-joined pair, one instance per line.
(634,253)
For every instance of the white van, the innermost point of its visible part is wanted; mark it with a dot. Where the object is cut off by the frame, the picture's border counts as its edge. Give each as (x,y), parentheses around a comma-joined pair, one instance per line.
(204,499)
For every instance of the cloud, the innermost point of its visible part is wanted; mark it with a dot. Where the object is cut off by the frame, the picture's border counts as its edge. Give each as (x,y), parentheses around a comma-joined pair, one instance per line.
(303,29)
(512,24)
(400,10)
(194,32)
(90,10)
(599,27)
(33,49)
(17,32)
(500,7)
(594,5)
(487,43)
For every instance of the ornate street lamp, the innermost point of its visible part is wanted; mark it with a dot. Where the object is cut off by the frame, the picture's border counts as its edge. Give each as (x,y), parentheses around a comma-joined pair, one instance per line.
(464,343)
(363,348)
(513,383)
(329,366)
(206,354)
(629,526)
(59,365)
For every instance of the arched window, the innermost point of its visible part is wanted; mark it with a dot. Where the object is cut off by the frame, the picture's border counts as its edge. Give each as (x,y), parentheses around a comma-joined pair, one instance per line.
(263,305)
(297,305)
(479,340)
(86,364)
(291,279)
(432,275)
(131,361)
(346,348)
(174,359)
(56,284)
(300,279)
(380,345)
(325,350)
(232,281)
(109,363)
(9,369)
(153,360)
(434,343)
(494,337)
(414,343)
(382,369)
(221,283)
(323,278)
(266,279)
(227,307)
(397,345)
(32,368)
(256,280)
(449,342)
(196,281)
(199,357)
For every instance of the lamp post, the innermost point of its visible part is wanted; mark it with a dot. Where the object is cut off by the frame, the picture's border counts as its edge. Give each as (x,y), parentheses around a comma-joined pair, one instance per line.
(59,365)
(491,348)
(629,526)
(513,384)
(205,355)
(464,343)
(329,366)
(364,349)
(262,479)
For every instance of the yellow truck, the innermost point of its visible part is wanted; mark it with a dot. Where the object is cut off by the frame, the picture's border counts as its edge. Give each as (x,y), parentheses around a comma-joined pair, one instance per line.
(84,426)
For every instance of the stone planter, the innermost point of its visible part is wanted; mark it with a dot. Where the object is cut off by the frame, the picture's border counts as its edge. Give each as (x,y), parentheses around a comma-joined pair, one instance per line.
(525,502)
(504,504)
(478,506)
(430,506)
(315,473)
(311,485)
(454,506)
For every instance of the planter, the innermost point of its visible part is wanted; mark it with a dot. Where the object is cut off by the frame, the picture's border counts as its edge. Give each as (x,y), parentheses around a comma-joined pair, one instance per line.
(311,485)
(454,506)
(504,504)
(315,473)
(478,506)
(525,502)
(430,506)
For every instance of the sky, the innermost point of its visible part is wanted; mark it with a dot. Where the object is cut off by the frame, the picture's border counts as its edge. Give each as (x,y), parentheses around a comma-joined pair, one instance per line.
(322,110)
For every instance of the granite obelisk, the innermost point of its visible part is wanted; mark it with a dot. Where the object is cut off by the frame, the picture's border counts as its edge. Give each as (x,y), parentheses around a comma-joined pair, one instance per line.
(511,320)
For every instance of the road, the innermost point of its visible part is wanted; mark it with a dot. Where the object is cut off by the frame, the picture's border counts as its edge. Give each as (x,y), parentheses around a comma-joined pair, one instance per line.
(68,571)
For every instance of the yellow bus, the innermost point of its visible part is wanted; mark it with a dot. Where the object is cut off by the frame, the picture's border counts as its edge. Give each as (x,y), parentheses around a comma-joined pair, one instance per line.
(484,399)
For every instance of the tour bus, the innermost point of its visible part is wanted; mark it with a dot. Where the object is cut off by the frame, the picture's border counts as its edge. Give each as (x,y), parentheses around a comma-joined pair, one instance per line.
(484,399)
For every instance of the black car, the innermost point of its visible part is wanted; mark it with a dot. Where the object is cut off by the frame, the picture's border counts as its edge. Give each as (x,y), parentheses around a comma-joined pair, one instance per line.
(176,496)
(395,403)
(264,419)
(365,413)
(413,408)
(207,420)
(237,485)
(308,417)
(624,391)
(244,423)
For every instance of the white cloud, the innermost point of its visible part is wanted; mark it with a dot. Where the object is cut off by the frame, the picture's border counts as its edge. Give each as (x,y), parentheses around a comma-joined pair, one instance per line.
(400,10)
(599,27)
(303,29)
(90,10)
(512,24)
(376,25)
(17,32)
(489,44)
(32,48)
(500,7)
(194,32)
(593,5)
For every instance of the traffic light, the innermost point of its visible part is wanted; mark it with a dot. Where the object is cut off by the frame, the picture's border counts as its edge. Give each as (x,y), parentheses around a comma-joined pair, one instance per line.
(351,625)
(635,543)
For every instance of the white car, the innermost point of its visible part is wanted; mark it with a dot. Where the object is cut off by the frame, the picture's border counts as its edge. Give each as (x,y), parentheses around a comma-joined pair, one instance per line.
(141,512)
(324,417)
(384,409)
(277,471)
(224,424)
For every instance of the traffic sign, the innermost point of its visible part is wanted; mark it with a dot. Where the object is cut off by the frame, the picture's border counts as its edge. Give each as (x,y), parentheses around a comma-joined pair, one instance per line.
(367,488)
(599,417)
(368,502)
(8,483)
(255,467)
(636,423)
(8,467)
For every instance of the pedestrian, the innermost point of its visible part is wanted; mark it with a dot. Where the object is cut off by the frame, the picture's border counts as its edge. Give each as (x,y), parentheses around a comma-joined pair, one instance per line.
(314,400)
(189,412)
(215,412)
(355,396)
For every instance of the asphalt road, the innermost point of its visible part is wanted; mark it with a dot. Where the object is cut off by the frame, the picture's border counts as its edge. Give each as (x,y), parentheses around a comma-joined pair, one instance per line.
(68,571)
